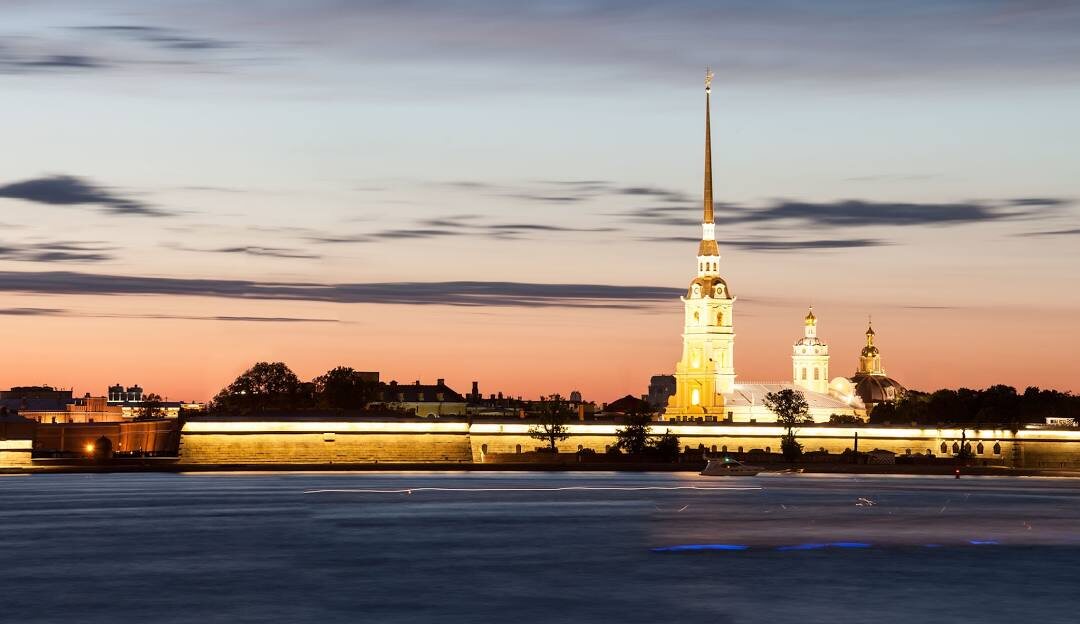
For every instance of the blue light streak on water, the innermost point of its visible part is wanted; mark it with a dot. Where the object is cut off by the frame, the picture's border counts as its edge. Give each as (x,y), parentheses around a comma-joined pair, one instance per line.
(700,547)
(983,542)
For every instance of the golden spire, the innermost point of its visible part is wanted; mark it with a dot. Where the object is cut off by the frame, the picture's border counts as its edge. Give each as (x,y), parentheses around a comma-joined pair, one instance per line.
(708,150)
(870,332)
(810,318)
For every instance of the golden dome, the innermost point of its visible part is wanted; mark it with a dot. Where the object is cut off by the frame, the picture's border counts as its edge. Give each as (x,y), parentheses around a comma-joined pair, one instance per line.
(810,318)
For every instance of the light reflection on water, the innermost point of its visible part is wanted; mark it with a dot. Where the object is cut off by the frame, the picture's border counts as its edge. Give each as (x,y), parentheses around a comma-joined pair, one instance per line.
(536,547)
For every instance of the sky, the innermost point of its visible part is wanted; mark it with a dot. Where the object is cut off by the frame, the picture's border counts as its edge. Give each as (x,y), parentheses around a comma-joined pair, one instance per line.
(510,192)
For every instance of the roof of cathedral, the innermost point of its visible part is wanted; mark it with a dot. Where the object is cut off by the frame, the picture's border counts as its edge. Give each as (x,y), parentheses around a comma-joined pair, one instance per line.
(754,393)
(876,388)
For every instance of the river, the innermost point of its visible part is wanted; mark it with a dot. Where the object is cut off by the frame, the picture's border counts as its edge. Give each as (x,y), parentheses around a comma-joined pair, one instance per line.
(527,547)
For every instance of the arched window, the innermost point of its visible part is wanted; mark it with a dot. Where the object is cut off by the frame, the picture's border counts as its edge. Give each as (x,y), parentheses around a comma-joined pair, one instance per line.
(944,448)
(740,449)
(697,317)
(695,396)
(997,448)
(719,318)
(955,447)
(686,449)
(483,449)
(768,449)
(979,448)
(713,448)
(518,449)
(723,448)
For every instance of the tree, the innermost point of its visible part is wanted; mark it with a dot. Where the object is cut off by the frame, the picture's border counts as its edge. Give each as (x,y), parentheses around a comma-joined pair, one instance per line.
(264,386)
(667,446)
(152,407)
(343,388)
(634,437)
(844,419)
(791,409)
(551,422)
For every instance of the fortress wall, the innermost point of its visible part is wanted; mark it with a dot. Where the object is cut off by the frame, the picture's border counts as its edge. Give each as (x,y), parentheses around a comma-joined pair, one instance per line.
(15,453)
(323,443)
(505,438)
(439,441)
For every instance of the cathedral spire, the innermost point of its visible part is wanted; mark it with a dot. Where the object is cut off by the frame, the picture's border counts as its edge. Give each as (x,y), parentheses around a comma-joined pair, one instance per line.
(708,151)
(708,253)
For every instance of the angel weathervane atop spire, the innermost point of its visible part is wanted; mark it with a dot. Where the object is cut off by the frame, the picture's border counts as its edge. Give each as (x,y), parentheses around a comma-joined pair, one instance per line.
(708,79)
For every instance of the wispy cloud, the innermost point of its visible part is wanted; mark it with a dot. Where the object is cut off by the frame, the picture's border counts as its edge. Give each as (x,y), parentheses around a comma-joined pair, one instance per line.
(855,213)
(772,244)
(56,251)
(164,38)
(457,293)
(1069,232)
(67,190)
(61,312)
(254,250)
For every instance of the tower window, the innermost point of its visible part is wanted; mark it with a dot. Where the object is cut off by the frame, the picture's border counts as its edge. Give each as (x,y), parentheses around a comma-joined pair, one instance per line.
(817,374)
(695,396)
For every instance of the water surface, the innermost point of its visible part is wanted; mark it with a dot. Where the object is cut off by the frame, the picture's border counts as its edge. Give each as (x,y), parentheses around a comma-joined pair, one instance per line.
(516,547)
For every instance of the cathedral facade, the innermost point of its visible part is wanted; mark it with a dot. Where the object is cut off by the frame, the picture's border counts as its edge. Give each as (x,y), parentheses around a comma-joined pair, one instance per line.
(706,389)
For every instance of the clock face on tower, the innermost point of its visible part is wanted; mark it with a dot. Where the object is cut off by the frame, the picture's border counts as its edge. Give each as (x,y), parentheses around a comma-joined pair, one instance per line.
(719,290)
(696,290)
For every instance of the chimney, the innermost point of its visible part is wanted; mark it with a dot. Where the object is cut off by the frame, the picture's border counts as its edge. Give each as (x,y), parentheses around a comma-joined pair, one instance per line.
(476,389)
(440,382)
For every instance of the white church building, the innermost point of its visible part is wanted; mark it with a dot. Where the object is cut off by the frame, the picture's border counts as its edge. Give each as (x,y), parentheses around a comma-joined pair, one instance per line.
(706,388)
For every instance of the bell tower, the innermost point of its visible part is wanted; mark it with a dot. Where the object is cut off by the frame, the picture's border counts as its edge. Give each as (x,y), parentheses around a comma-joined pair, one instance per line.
(706,370)
(810,358)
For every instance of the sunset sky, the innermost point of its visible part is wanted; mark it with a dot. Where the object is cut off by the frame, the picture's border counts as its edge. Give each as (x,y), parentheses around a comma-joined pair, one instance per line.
(510,192)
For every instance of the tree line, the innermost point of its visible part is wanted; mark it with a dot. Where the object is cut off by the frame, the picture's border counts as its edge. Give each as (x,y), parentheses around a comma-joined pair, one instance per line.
(998,405)
(273,386)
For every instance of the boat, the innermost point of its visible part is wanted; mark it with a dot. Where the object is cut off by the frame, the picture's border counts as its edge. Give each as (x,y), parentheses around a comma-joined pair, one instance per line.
(728,467)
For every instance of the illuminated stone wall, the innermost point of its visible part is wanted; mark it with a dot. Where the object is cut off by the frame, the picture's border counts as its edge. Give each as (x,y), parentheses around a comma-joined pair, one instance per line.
(506,438)
(323,443)
(15,453)
(368,442)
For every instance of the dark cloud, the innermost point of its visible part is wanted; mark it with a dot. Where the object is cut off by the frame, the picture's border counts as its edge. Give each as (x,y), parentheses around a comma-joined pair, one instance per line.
(852,213)
(269,252)
(1071,232)
(72,313)
(54,252)
(769,244)
(12,63)
(32,312)
(165,38)
(460,293)
(66,190)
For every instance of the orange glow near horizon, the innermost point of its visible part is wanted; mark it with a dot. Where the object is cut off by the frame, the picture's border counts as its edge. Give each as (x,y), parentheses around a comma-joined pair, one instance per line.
(520,351)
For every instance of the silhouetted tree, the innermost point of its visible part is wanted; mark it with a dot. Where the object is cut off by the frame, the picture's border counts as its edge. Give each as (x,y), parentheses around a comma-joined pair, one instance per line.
(152,407)
(551,422)
(666,446)
(791,409)
(634,437)
(343,388)
(264,386)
